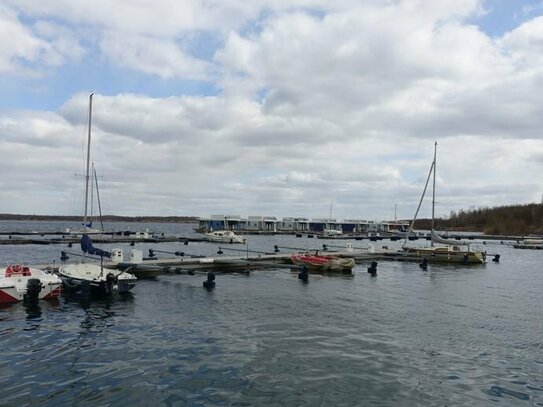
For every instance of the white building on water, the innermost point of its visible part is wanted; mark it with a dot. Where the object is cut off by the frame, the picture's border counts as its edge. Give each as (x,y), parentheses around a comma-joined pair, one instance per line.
(270,224)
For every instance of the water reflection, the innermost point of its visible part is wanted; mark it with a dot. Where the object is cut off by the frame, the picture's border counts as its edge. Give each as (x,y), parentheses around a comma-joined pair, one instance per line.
(33,310)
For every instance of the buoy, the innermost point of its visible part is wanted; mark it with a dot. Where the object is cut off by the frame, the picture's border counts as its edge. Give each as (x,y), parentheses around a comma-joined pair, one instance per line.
(276,249)
(210,282)
(63,256)
(324,247)
(424,264)
(372,269)
(151,253)
(303,275)
(186,243)
(70,244)
(220,251)
(496,258)
(132,244)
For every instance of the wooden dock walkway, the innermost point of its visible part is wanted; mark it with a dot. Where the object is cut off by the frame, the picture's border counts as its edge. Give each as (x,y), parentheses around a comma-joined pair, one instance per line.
(234,263)
(107,240)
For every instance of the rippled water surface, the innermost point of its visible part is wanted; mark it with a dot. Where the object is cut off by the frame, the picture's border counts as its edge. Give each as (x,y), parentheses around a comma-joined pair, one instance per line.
(457,336)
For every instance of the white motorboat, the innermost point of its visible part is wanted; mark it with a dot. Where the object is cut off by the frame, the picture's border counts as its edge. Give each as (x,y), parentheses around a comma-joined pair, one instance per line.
(331,232)
(22,283)
(534,244)
(224,236)
(96,278)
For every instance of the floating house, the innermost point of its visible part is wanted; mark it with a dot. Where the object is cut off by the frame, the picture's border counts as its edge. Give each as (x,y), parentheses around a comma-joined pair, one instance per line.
(270,224)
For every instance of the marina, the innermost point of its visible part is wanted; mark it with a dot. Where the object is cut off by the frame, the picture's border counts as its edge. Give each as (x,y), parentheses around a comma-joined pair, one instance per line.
(262,323)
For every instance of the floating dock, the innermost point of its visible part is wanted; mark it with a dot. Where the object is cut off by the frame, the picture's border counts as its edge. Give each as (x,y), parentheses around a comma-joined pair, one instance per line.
(151,267)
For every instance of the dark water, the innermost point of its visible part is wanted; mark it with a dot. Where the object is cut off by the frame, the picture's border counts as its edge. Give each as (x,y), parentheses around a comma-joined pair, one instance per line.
(448,336)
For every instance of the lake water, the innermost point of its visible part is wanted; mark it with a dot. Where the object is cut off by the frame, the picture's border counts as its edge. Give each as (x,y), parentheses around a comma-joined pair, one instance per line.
(448,336)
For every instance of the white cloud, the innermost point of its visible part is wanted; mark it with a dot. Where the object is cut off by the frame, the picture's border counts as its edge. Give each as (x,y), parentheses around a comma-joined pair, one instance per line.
(318,102)
(23,48)
(162,57)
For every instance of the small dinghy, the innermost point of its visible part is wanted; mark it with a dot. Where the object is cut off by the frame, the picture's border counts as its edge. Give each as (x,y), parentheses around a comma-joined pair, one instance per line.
(22,283)
(318,262)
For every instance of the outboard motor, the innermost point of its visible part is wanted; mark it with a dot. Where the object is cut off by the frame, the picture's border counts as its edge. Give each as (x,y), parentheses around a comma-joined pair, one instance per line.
(33,289)
(110,280)
(85,289)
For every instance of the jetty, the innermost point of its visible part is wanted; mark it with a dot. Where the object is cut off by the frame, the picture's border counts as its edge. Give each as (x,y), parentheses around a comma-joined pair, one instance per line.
(152,266)
(21,239)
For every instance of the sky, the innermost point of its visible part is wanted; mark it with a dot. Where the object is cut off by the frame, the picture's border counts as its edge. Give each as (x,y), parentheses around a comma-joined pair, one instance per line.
(271,107)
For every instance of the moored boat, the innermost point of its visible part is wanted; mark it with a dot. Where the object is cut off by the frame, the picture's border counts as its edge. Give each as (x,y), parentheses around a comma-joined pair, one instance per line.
(19,283)
(319,262)
(449,251)
(331,233)
(534,244)
(99,280)
(224,236)
(447,254)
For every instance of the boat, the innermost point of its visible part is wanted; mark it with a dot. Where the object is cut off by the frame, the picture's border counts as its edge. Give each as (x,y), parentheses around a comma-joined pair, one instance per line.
(21,283)
(96,279)
(533,244)
(329,232)
(449,251)
(87,276)
(224,236)
(318,262)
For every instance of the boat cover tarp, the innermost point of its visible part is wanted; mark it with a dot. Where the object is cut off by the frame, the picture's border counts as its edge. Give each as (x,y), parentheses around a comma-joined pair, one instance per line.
(438,239)
(87,247)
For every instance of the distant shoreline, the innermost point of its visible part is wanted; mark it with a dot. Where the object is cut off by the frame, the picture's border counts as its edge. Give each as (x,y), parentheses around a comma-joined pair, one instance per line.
(107,218)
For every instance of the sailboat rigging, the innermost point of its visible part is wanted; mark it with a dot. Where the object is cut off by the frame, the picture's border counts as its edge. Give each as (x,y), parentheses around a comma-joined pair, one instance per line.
(450,251)
(331,231)
(76,277)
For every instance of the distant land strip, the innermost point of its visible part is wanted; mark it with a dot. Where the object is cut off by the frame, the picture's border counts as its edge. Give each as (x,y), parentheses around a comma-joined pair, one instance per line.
(106,218)
(521,219)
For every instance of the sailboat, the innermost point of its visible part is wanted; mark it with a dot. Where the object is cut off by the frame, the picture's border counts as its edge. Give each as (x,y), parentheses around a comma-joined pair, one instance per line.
(448,251)
(91,276)
(331,231)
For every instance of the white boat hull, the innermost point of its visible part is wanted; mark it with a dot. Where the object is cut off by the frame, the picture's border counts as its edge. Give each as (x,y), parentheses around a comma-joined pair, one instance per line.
(224,236)
(28,283)
(99,280)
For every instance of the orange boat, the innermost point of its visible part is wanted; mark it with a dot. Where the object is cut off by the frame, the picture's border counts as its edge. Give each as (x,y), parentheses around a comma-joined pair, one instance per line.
(319,262)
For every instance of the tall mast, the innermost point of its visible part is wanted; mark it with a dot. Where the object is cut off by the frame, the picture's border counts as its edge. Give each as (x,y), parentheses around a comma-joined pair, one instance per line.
(87,176)
(434,191)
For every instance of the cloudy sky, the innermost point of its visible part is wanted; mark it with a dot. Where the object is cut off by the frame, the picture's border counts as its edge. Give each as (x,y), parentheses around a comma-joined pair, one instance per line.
(271,107)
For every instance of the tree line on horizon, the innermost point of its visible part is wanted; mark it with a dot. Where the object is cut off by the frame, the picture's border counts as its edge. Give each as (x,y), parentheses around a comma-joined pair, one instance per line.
(105,218)
(502,220)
